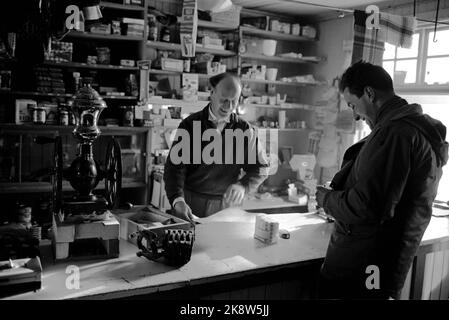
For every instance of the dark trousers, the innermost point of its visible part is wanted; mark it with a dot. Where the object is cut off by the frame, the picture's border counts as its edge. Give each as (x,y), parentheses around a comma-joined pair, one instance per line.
(352,288)
(203,205)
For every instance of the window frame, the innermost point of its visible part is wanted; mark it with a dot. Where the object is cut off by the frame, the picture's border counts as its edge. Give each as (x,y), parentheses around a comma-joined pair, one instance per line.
(420,86)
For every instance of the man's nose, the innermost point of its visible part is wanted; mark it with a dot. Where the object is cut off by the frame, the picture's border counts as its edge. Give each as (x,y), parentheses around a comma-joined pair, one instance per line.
(356,116)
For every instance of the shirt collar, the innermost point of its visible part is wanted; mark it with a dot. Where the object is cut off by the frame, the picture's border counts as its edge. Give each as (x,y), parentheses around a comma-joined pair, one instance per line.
(213,118)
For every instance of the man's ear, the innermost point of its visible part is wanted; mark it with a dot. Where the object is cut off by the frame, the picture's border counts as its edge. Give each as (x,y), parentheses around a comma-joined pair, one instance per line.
(370,93)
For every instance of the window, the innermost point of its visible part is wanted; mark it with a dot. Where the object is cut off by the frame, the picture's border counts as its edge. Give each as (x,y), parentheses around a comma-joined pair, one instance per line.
(424,64)
(402,64)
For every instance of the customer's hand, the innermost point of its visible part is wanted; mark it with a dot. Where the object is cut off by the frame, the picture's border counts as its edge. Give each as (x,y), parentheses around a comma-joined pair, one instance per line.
(320,195)
(234,195)
(183,211)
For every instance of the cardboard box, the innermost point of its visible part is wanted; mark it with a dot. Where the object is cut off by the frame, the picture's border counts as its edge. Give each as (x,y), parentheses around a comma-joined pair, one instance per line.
(148,218)
(169,64)
(24,110)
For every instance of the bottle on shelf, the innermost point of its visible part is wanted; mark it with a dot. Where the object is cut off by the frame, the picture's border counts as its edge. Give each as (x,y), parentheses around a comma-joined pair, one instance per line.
(152,28)
(165,34)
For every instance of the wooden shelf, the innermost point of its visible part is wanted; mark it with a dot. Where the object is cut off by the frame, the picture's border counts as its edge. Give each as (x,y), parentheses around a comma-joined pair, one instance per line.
(61,95)
(88,66)
(280,106)
(177,47)
(37,187)
(118,6)
(282,83)
(124,131)
(88,35)
(216,26)
(274,35)
(178,103)
(281,59)
(176,73)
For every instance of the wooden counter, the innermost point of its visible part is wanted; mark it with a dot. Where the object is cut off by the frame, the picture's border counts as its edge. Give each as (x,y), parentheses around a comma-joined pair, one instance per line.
(227,262)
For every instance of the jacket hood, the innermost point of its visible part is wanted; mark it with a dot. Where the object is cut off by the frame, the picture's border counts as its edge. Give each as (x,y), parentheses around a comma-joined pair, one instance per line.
(432,129)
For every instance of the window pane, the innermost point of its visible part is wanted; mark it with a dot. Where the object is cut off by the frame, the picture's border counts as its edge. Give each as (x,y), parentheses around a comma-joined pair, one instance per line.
(389,51)
(389,67)
(442,44)
(405,69)
(412,52)
(436,70)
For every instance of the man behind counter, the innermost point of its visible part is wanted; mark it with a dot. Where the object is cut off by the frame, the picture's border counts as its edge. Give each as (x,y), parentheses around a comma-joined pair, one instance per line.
(203,188)
(382,197)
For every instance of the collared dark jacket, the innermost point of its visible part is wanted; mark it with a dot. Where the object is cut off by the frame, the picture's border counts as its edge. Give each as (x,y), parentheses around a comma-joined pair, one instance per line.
(384,193)
(213,179)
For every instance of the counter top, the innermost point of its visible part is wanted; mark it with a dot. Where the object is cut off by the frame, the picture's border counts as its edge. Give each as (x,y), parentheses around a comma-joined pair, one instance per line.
(224,248)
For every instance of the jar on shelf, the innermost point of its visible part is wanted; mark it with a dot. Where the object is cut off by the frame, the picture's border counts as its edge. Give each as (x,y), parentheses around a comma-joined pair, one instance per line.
(39,115)
(63,118)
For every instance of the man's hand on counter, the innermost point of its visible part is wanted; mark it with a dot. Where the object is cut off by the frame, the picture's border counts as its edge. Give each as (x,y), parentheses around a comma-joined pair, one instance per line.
(320,195)
(234,195)
(183,211)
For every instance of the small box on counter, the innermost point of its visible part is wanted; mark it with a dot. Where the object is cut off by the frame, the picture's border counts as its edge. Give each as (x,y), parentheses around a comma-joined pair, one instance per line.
(266,229)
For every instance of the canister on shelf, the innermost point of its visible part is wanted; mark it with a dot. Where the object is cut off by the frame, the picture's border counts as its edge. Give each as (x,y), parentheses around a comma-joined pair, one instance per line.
(39,115)
(63,117)
(186,65)
(296,29)
(128,116)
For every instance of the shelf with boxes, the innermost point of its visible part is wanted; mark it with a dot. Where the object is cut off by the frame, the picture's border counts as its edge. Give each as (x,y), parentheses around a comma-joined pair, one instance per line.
(177,47)
(83,65)
(122,6)
(276,35)
(87,35)
(61,95)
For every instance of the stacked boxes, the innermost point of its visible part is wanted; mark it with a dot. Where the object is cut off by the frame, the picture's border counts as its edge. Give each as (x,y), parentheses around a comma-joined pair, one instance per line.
(59,51)
(267,229)
(49,80)
(133,27)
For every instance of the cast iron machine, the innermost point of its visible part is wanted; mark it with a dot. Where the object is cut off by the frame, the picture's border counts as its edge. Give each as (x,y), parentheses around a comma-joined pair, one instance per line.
(84,174)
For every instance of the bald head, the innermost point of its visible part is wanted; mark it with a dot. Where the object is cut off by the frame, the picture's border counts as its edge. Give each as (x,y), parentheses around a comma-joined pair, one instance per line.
(226,90)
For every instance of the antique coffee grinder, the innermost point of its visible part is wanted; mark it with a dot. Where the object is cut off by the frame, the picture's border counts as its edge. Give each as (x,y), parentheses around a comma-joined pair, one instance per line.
(84,174)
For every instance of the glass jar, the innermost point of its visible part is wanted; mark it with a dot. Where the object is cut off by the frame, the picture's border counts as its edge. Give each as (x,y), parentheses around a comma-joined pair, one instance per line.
(39,115)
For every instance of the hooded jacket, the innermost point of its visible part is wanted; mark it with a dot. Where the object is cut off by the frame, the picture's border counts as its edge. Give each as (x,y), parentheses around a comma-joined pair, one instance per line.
(383,195)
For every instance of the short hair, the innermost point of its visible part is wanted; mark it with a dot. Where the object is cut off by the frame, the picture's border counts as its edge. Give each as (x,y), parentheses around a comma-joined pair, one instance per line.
(364,74)
(215,80)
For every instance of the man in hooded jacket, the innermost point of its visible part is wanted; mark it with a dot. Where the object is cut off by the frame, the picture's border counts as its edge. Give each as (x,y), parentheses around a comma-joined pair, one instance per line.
(382,197)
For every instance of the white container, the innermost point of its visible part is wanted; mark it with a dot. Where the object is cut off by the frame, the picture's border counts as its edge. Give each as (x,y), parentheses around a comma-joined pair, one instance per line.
(271,74)
(269,47)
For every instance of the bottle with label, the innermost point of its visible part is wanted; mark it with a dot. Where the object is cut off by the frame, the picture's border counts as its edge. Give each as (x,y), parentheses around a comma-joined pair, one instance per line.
(152,27)
(165,34)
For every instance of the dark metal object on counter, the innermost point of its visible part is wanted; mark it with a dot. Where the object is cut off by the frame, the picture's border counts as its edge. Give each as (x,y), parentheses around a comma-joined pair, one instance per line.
(174,245)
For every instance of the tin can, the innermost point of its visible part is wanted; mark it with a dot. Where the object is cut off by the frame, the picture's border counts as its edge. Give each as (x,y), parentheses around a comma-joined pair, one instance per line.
(39,115)
(186,65)
(64,118)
